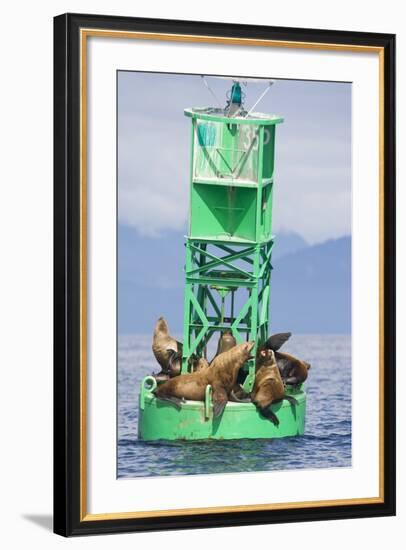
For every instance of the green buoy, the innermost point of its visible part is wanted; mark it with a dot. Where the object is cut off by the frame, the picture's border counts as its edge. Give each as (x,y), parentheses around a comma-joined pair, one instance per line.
(194,420)
(227,271)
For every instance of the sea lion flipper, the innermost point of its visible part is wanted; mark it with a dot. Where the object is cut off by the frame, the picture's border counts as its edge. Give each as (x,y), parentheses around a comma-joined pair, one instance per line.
(238,399)
(291,399)
(239,395)
(174,400)
(219,401)
(276,341)
(270,415)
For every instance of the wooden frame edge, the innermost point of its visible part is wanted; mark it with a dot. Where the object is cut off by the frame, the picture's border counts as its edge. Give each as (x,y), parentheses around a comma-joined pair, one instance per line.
(84,517)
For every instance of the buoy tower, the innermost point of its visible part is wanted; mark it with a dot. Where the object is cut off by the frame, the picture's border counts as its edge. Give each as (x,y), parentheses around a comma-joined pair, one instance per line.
(229,242)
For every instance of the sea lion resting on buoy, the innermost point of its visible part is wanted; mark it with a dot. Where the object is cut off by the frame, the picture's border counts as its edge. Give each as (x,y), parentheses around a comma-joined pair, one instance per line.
(293,371)
(167,350)
(226,342)
(221,375)
(269,387)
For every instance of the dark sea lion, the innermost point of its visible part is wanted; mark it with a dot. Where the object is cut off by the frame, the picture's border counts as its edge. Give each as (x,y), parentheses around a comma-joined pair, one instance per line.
(276,341)
(269,388)
(221,375)
(167,350)
(294,371)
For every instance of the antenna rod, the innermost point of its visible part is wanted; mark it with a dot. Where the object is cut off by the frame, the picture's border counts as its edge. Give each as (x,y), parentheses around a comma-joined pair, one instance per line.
(260,98)
(210,90)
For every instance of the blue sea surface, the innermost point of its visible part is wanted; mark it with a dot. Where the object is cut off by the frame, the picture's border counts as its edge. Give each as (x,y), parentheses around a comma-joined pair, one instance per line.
(327,439)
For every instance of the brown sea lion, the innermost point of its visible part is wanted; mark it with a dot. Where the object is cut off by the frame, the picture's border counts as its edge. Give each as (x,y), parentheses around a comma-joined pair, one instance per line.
(269,388)
(221,375)
(167,350)
(226,342)
(294,371)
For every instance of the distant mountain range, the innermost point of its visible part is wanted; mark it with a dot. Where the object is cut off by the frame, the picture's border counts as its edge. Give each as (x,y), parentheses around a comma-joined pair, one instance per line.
(287,243)
(310,289)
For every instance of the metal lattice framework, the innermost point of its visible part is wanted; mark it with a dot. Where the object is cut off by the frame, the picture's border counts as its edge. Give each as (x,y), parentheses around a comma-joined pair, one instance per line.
(215,271)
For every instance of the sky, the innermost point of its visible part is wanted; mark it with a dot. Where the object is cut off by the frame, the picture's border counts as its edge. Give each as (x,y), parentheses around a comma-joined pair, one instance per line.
(312,191)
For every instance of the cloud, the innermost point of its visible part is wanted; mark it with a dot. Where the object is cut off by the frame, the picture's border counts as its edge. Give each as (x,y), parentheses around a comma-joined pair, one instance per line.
(153,177)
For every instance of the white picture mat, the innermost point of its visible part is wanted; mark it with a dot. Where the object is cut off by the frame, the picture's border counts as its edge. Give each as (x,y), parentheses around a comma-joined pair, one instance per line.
(105,492)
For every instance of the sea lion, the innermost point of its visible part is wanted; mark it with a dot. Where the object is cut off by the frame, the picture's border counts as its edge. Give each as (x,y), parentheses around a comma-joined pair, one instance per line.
(294,371)
(167,350)
(221,375)
(269,388)
(226,342)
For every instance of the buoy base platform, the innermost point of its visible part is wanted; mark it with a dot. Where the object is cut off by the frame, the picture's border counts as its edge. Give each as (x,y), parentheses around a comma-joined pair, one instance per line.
(161,420)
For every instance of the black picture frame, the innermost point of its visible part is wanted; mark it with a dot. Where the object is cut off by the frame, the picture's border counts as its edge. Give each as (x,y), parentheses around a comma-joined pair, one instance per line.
(68,519)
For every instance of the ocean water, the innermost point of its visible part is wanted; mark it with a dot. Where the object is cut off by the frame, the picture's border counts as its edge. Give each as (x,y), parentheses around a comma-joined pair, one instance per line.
(327,439)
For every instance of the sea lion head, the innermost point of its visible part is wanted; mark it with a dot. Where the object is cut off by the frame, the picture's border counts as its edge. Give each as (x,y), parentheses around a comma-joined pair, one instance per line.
(161,326)
(266,357)
(226,342)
